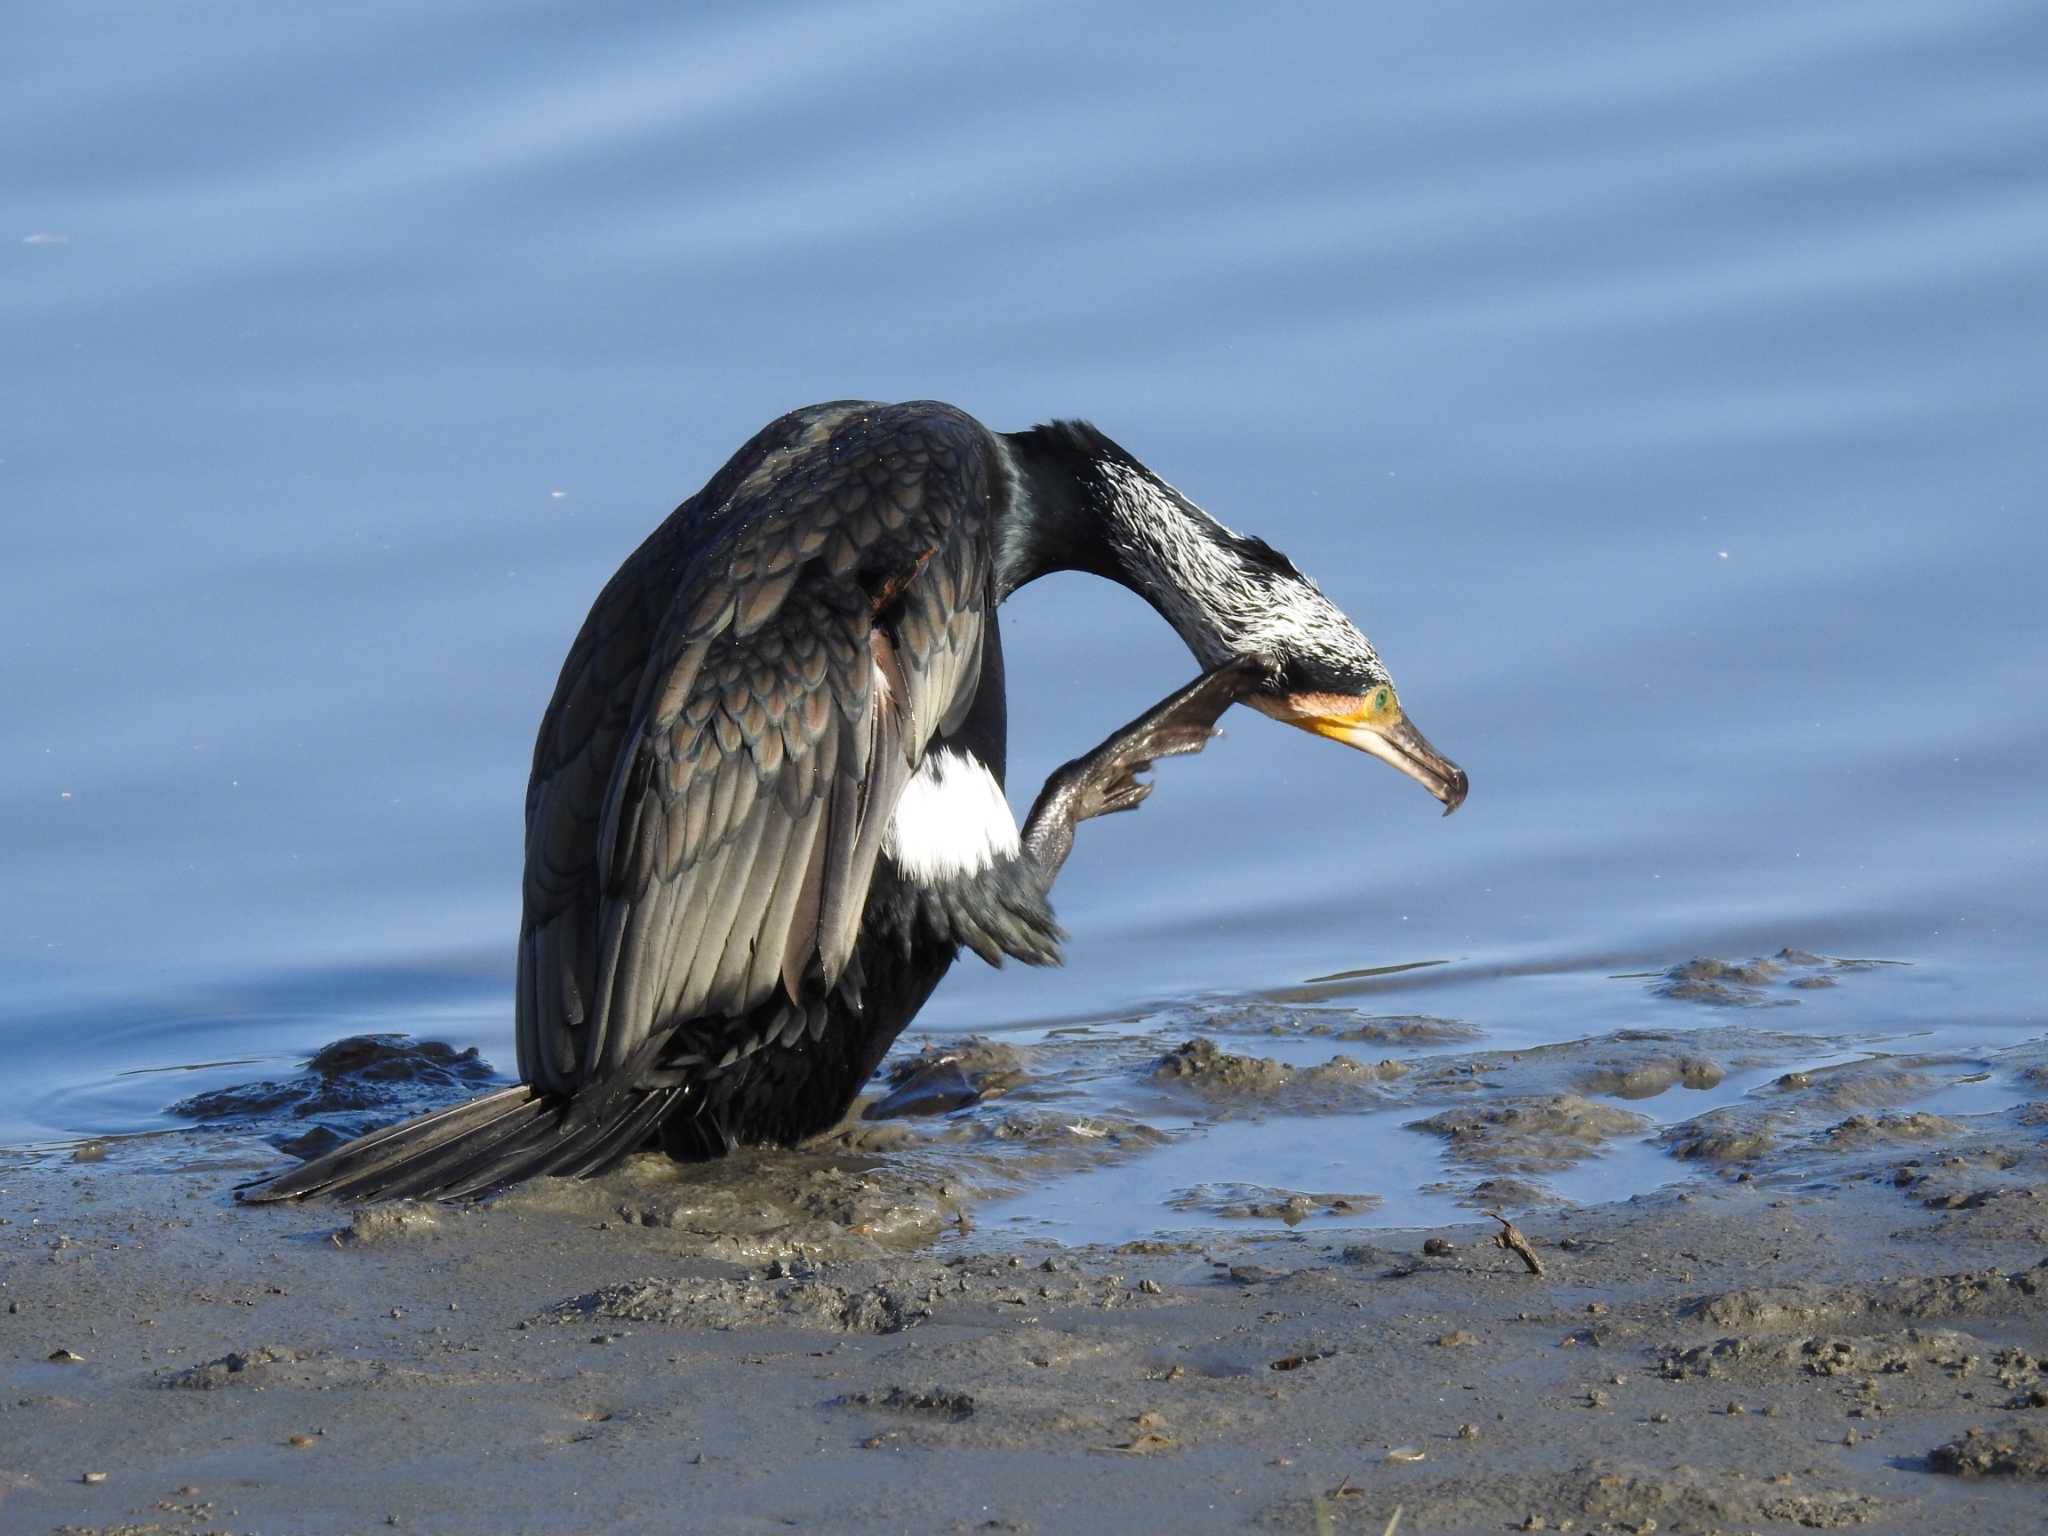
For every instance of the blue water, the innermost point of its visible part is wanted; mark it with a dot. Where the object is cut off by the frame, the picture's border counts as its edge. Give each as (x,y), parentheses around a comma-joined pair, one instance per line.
(1661,388)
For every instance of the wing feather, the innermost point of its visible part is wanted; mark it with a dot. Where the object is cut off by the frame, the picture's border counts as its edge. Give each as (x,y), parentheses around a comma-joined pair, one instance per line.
(800,943)
(733,730)
(734,864)
(788,876)
(750,909)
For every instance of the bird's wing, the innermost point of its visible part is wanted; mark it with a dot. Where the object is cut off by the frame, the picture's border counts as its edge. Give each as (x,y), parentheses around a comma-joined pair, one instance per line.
(824,625)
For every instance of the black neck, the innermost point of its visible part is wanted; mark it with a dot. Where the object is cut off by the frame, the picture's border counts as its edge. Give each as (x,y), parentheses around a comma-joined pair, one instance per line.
(1078,502)
(1059,508)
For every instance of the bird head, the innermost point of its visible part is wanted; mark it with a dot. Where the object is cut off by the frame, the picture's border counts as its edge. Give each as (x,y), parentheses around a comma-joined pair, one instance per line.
(1372,720)
(1090,505)
(1324,677)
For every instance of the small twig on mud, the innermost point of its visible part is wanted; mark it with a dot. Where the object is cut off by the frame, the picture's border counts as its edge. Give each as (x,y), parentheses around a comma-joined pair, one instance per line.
(1394,1521)
(1510,1237)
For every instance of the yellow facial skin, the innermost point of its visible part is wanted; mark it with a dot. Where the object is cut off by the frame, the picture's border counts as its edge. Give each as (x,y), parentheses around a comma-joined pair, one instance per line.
(1337,715)
(1372,722)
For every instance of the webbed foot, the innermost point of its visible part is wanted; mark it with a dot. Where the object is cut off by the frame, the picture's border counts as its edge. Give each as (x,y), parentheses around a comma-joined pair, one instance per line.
(1106,780)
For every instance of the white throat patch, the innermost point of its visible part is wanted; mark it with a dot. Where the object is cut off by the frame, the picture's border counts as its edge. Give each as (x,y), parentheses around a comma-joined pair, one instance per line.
(951,821)
(1220,605)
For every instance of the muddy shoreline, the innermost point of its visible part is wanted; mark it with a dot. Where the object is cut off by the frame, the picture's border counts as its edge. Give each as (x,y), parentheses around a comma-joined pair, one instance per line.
(1867,1350)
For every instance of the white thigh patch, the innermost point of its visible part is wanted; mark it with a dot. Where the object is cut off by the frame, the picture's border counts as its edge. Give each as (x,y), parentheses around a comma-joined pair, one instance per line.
(951,821)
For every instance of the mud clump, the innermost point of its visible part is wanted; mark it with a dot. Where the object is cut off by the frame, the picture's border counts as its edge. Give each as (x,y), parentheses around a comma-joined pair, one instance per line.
(1748,983)
(1044,1131)
(1257,1202)
(939,1080)
(1785,1308)
(1687,1499)
(1801,1117)
(1734,1134)
(1607,1498)
(383,1223)
(935,1403)
(349,1087)
(869,1188)
(1198,1064)
(1825,1356)
(1869,1130)
(802,1301)
(1853,1085)
(1536,1135)
(1510,1194)
(2015,1365)
(1261,1018)
(871,1296)
(237,1368)
(1201,1063)
(768,1203)
(1723,983)
(2017,1451)
(1645,1080)
(1411,1029)
(1979,1199)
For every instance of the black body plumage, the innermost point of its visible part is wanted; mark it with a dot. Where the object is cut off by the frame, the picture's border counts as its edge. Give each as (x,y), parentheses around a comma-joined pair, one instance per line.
(724,929)
(713,779)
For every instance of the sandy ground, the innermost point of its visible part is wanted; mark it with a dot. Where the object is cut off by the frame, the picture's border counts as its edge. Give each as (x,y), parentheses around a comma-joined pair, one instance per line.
(757,1347)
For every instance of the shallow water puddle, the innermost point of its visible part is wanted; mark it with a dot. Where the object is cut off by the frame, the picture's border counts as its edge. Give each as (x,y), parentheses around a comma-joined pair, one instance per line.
(1724,1069)
(1504,1088)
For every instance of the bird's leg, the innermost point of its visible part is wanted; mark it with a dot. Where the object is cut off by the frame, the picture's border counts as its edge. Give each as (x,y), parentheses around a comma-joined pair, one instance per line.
(1106,779)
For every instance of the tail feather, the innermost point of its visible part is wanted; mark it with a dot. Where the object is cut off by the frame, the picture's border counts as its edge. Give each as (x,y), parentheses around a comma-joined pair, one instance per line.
(469,1148)
(594,1154)
(508,1147)
(407,1138)
(568,1151)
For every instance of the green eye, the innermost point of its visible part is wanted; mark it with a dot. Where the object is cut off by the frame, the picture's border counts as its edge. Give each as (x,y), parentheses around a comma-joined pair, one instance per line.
(1380,703)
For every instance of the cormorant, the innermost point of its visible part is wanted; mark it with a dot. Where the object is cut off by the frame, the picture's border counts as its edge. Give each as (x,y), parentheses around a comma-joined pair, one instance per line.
(767,807)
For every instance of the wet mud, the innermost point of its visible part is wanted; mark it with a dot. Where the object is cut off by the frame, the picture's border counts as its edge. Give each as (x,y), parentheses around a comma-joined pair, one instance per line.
(940,1079)
(1812,1295)
(1260,1202)
(1755,983)
(1294,1021)
(1723,1356)
(347,1088)
(961,1130)
(2004,1451)
(1531,1135)
(1200,1067)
